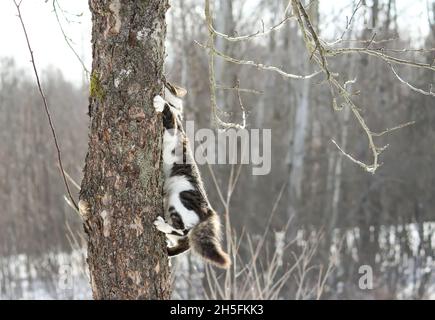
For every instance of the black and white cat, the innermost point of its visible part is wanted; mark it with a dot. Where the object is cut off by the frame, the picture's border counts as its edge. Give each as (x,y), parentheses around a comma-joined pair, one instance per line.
(190,221)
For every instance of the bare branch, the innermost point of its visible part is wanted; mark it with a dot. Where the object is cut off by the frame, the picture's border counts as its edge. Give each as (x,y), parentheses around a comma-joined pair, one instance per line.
(212,79)
(299,9)
(312,40)
(68,40)
(47,110)
(276,27)
(350,20)
(388,130)
(370,169)
(319,51)
(212,52)
(259,65)
(221,87)
(378,53)
(427,93)
(242,107)
(363,41)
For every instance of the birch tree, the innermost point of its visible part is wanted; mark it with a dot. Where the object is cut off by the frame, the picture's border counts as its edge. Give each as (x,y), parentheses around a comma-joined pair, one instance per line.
(300,130)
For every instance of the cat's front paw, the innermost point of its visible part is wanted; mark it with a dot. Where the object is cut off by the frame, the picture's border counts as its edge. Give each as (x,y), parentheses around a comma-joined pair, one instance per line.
(159,103)
(162,226)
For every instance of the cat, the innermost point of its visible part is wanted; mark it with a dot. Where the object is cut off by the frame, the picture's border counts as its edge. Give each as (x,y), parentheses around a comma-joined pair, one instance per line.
(190,221)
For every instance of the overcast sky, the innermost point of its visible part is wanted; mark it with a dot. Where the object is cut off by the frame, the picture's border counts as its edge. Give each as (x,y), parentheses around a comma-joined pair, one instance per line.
(50,47)
(48,43)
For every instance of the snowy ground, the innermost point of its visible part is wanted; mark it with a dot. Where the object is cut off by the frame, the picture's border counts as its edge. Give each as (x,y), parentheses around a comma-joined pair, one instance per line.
(64,275)
(52,276)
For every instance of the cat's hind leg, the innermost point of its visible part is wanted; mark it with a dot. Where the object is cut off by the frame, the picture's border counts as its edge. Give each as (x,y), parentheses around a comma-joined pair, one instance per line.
(181,246)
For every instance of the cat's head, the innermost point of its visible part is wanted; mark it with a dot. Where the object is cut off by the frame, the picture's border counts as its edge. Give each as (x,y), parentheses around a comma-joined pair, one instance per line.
(173,95)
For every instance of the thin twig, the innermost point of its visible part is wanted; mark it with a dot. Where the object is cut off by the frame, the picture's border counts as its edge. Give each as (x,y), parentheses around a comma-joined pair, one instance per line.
(378,54)
(221,87)
(364,41)
(73,182)
(242,107)
(258,65)
(47,110)
(427,93)
(68,40)
(370,169)
(256,34)
(349,21)
(388,130)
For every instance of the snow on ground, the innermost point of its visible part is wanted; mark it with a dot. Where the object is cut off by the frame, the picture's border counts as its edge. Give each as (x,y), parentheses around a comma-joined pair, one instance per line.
(60,275)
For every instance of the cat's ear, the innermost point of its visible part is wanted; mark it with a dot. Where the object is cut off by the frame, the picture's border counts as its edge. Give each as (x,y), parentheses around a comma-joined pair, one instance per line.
(179,91)
(176,90)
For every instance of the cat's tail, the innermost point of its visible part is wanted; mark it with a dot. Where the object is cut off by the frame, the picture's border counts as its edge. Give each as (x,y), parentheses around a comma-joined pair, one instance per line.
(204,239)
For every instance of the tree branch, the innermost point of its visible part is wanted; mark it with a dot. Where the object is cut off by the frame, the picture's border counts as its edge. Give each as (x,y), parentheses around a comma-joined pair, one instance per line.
(67,40)
(47,110)
(312,40)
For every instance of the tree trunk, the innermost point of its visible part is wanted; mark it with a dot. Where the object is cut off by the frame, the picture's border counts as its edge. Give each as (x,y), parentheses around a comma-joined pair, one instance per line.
(300,127)
(225,75)
(122,183)
(338,165)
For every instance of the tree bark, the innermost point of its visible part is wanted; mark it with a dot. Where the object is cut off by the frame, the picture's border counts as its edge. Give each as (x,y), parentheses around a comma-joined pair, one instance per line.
(122,184)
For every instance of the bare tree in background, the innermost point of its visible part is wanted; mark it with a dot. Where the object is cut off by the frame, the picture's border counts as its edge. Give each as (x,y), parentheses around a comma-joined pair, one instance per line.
(122,184)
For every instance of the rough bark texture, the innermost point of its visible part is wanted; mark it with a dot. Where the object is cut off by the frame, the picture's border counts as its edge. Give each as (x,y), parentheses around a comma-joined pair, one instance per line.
(122,176)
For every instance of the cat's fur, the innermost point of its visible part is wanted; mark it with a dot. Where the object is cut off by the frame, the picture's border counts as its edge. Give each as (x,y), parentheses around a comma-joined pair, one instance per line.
(190,221)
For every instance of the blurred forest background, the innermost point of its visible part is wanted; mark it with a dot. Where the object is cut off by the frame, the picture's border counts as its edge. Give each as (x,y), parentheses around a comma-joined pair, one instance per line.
(315,219)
